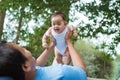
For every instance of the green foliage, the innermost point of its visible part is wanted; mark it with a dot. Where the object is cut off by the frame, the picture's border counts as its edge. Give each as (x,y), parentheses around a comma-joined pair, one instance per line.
(116,69)
(99,64)
(105,64)
(35,43)
(104,15)
(38,11)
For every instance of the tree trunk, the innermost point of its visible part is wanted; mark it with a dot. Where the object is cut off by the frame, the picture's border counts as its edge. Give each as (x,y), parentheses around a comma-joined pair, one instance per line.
(19,27)
(2,17)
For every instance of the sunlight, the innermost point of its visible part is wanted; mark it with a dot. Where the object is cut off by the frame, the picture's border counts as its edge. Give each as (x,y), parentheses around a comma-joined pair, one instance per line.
(88,1)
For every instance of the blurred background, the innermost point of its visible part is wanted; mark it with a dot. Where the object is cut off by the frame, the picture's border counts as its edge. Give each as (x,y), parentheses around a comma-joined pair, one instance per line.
(97,21)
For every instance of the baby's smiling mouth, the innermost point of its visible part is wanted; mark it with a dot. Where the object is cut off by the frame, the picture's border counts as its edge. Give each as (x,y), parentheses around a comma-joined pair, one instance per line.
(57,30)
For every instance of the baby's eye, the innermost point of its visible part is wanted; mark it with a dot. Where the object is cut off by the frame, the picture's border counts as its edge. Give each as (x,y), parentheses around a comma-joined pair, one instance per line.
(58,23)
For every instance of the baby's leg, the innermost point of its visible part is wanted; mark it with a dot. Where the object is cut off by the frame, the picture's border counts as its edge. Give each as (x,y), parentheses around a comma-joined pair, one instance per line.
(67,58)
(58,57)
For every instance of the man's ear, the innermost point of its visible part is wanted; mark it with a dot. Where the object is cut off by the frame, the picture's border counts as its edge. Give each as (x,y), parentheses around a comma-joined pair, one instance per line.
(26,67)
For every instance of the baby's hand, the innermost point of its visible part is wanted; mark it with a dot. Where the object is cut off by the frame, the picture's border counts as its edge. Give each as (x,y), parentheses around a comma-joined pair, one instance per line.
(45,45)
(68,35)
(75,34)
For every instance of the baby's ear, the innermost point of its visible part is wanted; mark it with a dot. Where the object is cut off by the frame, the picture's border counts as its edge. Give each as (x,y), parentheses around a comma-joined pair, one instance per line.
(26,67)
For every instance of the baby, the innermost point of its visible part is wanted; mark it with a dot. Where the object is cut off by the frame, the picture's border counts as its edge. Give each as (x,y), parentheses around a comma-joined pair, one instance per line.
(58,30)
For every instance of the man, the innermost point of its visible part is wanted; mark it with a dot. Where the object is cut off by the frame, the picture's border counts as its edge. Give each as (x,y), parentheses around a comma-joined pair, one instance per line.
(20,63)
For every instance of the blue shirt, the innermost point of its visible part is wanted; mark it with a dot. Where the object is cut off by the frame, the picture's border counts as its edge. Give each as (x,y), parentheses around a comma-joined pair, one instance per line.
(60,72)
(5,78)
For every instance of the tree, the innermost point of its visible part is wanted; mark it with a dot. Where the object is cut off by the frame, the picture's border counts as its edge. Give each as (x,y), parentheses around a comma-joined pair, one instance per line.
(104,17)
(22,12)
(2,17)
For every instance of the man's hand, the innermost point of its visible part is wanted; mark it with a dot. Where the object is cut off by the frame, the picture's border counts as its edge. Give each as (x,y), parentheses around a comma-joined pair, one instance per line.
(45,45)
(68,35)
(75,33)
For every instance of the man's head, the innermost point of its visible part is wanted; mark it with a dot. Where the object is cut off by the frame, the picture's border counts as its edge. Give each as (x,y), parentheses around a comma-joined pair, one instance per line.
(15,61)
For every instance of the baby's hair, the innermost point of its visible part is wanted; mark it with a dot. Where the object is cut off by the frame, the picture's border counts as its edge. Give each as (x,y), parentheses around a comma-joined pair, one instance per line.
(59,13)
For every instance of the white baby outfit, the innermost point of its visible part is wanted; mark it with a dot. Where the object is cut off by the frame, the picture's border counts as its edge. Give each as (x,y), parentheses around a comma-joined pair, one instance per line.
(60,40)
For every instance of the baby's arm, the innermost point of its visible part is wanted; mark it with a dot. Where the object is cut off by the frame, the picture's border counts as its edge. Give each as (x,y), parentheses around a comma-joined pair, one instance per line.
(45,38)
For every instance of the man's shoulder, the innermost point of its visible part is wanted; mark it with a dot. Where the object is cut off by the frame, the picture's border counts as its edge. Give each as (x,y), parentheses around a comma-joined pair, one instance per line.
(52,72)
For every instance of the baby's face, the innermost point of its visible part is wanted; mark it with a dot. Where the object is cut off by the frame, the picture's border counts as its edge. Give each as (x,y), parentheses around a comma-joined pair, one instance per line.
(58,24)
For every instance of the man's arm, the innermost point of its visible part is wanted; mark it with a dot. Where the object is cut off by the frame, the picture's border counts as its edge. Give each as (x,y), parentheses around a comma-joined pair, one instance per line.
(42,59)
(75,57)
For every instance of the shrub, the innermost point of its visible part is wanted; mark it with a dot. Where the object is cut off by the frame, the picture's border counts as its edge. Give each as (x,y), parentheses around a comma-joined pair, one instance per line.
(116,69)
(99,64)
